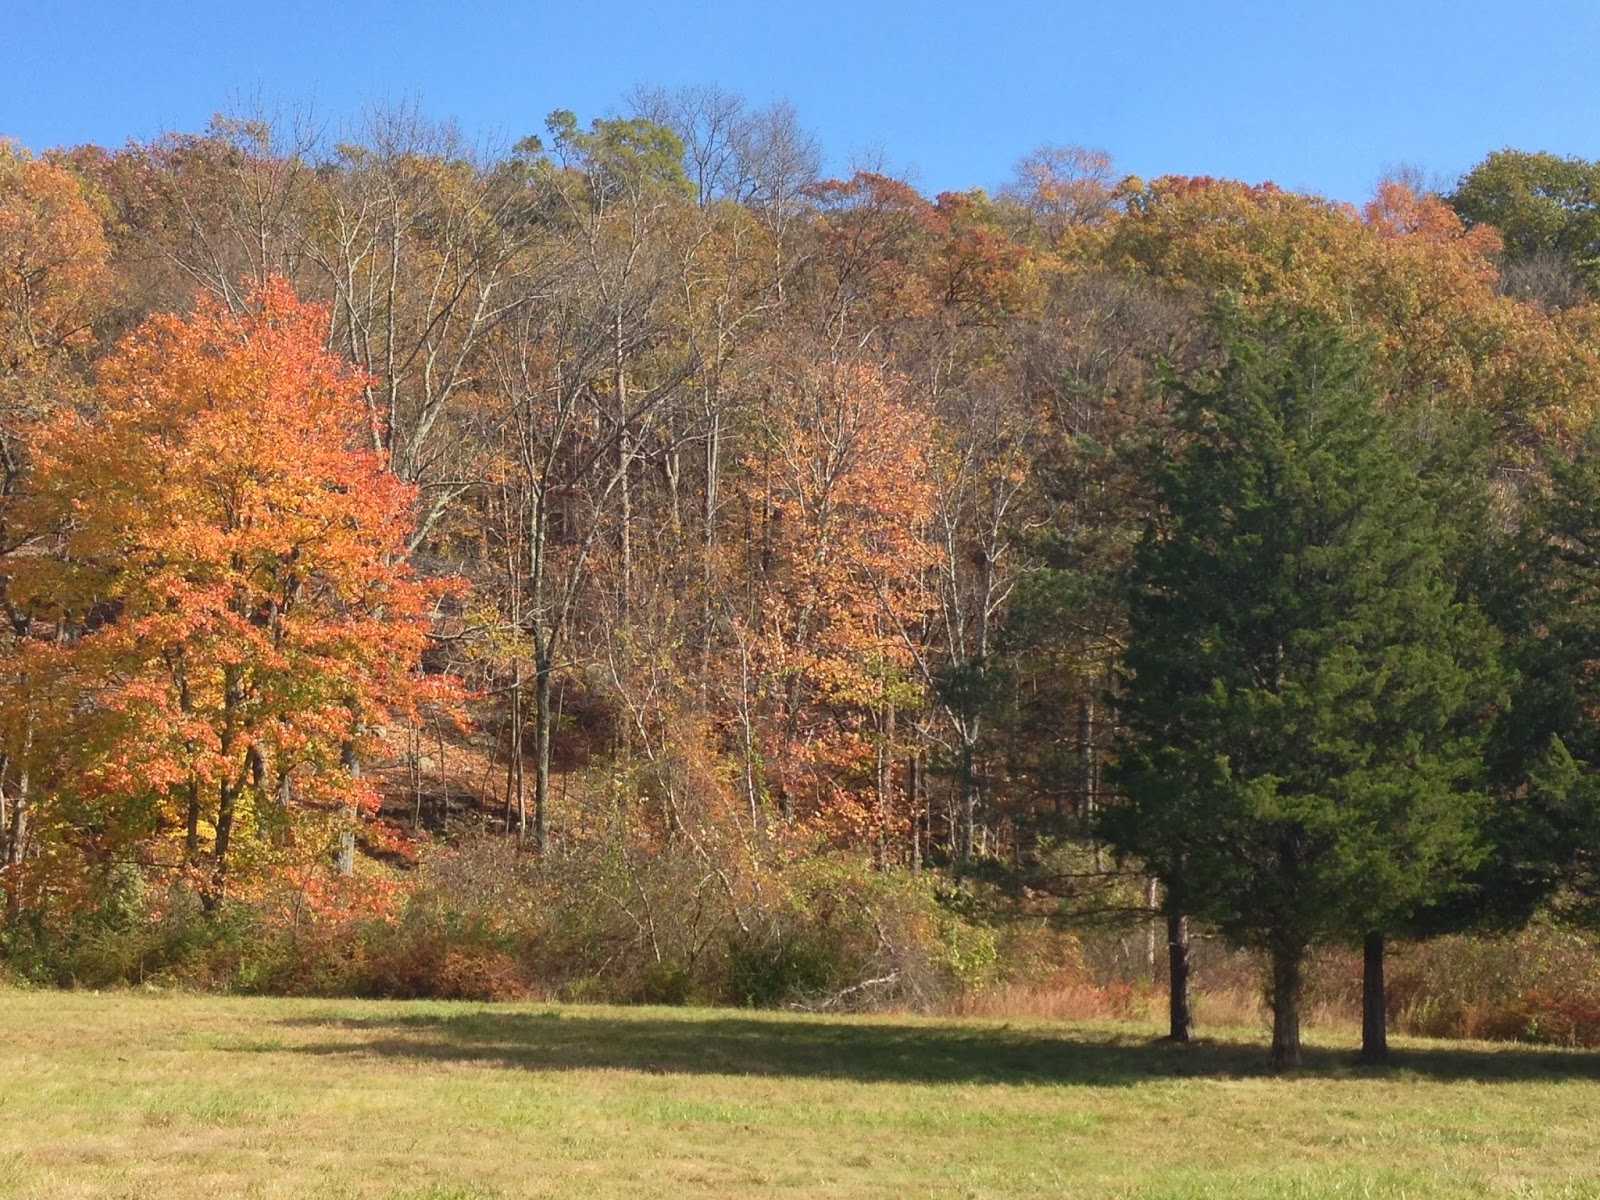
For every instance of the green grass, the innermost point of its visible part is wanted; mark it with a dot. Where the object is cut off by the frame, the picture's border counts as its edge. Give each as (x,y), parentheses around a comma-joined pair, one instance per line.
(189,1096)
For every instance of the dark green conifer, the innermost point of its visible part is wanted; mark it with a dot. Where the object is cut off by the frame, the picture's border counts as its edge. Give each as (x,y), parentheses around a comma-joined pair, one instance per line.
(1298,751)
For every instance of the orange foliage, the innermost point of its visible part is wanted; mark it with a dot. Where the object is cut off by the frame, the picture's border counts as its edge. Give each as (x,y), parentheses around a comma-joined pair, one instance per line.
(217,575)
(1404,272)
(908,259)
(841,492)
(53,274)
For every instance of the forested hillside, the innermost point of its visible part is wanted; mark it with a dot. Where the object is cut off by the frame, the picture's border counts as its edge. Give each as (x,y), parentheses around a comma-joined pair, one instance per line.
(631,565)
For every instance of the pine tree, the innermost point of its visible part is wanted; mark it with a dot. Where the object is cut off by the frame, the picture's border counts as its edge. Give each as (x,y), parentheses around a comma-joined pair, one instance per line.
(1546,750)
(1297,746)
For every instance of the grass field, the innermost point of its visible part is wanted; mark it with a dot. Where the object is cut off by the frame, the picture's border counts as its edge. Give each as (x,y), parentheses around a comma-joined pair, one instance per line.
(189,1096)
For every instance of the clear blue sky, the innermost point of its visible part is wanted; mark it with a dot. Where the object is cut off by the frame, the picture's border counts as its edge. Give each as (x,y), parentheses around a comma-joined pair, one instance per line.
(1319,96)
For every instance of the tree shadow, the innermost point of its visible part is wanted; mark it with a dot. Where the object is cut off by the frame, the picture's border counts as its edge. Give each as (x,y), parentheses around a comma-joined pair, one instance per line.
(881,1052)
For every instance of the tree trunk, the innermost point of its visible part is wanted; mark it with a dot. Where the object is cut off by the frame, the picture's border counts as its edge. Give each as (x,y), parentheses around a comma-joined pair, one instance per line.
(914,788)
(1151,895)
(191,836)
(345,860)
(1374,1010)
(516,798)
(227,802)
(1087,799)
(884,786)
(542,720)
(708,555)
(227,790)
(416,775)
(1288,960)
(1180,1015)
(17,827)
(17,836)
(624,473)
(17,833)
(969,805)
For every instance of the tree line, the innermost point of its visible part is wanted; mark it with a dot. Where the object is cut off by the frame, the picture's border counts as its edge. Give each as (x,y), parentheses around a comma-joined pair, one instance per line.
(1228,536)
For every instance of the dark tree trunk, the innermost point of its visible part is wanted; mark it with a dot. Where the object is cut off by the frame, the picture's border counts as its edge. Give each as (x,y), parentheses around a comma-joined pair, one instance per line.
(1287,964)
(227,789)
(191,838)
(543,718)
(227,802)
(1181,1016)
(1374,1009)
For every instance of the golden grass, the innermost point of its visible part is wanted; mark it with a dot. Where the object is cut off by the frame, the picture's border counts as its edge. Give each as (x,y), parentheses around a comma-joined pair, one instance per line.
(179,1096)
(1232,1008)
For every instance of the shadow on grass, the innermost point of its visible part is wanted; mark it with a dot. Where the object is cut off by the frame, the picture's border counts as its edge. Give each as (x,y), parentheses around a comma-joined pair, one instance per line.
(880,1052)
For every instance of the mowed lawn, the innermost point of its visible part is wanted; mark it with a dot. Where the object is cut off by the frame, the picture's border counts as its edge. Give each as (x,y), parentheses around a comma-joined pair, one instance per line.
(188,1096)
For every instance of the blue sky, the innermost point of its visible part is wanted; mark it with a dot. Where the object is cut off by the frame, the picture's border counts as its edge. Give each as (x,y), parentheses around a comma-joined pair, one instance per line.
(1317,96)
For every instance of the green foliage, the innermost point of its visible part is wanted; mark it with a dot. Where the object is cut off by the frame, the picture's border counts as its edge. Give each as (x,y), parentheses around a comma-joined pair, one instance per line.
(846,935)
(1299,747)
(483,922)
(1546,751)
(765,972)
(133,937)
(621,158)
(1540,203)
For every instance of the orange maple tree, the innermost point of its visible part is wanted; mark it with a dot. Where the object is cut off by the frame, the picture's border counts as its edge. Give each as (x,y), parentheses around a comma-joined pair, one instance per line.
(217,593)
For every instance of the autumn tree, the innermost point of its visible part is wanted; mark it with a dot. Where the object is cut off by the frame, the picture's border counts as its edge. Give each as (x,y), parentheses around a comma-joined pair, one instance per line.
(215,572)
(415,245)
(54,284)
(759,158)
(614,189)
(1063,187)
(1404,272)
(220,212)
(579,387)
(838,503)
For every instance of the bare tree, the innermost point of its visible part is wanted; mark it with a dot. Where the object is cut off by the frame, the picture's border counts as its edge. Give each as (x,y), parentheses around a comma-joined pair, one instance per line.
(415,242)
(757,157)
(1064,186)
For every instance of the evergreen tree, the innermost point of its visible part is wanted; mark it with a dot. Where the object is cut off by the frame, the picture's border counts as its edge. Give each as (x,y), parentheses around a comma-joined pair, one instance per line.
(1298,748)
(1546,749)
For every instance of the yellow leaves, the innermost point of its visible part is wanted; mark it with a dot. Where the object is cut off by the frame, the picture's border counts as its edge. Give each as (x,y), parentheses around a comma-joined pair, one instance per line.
(53,275)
